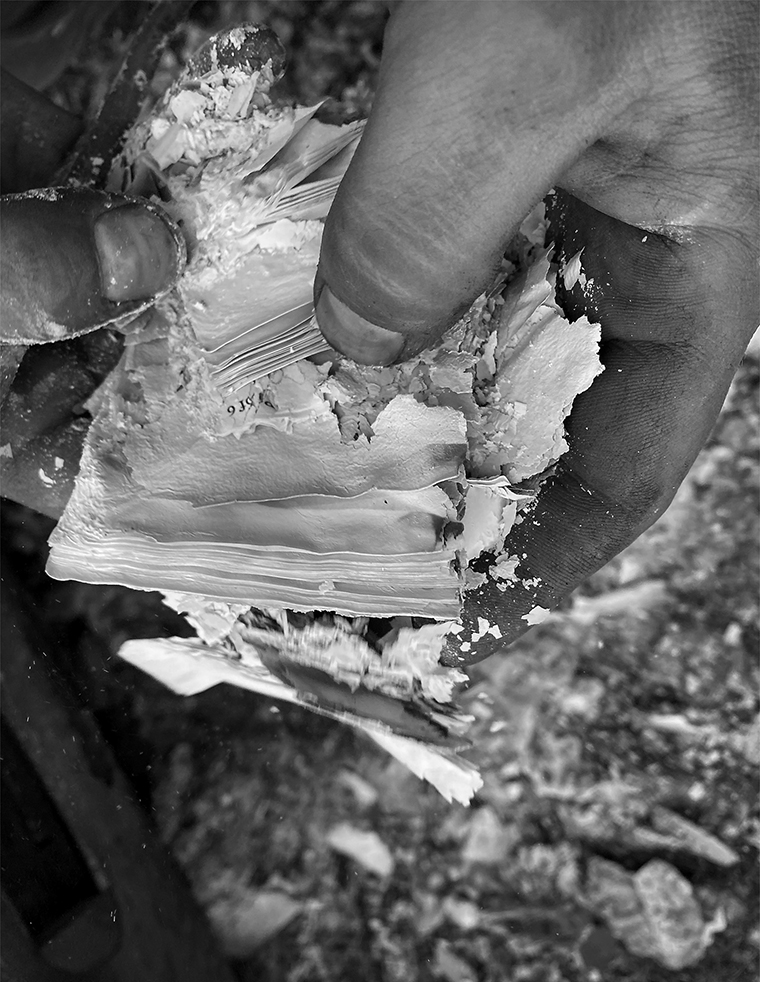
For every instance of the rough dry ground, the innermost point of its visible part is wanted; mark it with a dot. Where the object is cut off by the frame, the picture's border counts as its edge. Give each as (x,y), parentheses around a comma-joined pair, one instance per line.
(622,735)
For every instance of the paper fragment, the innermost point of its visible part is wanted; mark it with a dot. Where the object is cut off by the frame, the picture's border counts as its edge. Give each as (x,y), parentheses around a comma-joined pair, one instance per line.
(536,615)
(453,777)
(188,667)
(542,363)
(571,272)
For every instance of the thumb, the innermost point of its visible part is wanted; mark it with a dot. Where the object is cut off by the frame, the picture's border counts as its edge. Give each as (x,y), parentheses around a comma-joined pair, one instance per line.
(75,259)
(480,107)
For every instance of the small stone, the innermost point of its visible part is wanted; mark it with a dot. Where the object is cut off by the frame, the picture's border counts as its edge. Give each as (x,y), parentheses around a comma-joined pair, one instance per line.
(449,966)
(488,841)
(244,920)
(365,847)
(654,912)
(464,913)
(366,794)
(750,744)
(691,837)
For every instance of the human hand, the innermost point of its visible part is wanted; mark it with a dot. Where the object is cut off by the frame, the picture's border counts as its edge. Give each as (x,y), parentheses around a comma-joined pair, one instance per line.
(644,116)
(77,259)
(72,260)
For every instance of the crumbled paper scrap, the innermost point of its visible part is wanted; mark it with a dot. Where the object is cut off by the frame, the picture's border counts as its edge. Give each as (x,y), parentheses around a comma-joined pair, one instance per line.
(187,667)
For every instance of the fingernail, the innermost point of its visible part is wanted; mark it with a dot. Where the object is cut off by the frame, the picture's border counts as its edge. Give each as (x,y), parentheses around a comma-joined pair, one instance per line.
(137,253)
(354,336)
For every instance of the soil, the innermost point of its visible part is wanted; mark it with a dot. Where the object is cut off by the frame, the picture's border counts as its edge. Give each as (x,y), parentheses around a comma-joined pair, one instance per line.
(624,730)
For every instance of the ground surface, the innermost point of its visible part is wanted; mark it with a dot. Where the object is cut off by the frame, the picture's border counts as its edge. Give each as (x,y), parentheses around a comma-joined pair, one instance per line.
(621,735)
